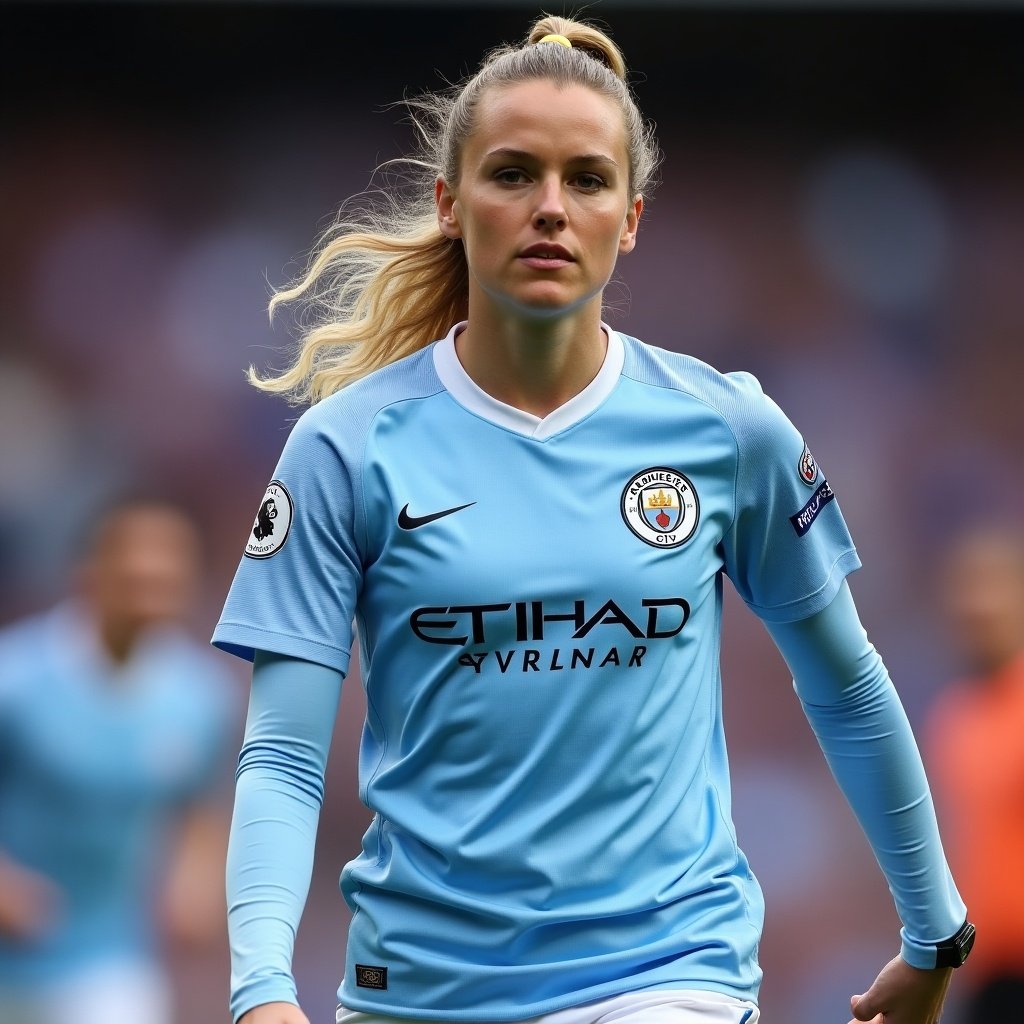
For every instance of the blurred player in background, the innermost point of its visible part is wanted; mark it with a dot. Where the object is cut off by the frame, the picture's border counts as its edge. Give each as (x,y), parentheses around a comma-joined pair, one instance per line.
(976,757)
(530,516)
(114,727)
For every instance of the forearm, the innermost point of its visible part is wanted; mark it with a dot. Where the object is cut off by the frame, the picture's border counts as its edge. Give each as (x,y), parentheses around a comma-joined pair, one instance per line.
(30,903)
(273,829)
(191,904)
(269,864)
(863,731)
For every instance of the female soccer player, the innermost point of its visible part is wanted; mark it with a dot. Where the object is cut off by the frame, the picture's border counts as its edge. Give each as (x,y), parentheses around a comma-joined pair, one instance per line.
(530,520)
(113,723)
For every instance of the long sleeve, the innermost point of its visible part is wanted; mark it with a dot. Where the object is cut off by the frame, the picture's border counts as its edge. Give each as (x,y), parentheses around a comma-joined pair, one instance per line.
(279,792)
(863,731)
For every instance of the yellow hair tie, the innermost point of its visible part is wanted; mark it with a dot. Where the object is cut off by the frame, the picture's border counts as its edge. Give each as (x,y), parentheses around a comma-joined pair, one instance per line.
(561,40)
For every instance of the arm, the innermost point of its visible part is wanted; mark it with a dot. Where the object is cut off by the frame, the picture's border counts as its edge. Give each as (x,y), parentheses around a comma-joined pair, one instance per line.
(862,728)
(279,792)
(30,904)
(192,900)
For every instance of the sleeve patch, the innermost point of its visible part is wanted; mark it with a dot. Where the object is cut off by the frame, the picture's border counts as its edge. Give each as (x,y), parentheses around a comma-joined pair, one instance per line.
(273,522)
(804,519)
(808,468)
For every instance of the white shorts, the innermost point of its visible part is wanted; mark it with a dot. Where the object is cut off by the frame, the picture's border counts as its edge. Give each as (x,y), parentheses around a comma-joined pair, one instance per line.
(665,1006)
(112,993)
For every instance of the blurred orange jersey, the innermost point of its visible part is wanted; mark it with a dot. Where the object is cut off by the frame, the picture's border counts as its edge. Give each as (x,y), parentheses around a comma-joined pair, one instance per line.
(975,745)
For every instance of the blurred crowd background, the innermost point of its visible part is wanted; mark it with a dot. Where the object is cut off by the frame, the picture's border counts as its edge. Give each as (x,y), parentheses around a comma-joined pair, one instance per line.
(841,212)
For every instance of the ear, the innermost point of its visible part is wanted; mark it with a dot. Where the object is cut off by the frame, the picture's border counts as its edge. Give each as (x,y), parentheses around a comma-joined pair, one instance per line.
(447,219)
(627,240)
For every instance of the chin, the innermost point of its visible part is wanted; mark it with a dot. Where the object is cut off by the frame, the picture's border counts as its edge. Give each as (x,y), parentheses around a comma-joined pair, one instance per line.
(148,619)
(545,305)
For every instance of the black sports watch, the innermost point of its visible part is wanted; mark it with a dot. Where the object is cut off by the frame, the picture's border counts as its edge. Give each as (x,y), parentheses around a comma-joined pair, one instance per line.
(952,952)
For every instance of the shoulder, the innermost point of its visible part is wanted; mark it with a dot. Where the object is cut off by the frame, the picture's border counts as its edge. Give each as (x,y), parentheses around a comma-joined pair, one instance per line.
(195,673)
(22,644)
(25,638)
(737,397)
(331,436)
(23,633)
(357,405)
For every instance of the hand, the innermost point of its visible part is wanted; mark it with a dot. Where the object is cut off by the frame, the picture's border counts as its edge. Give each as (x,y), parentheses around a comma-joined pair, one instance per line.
(903,994)
(29,904)
(274,1013)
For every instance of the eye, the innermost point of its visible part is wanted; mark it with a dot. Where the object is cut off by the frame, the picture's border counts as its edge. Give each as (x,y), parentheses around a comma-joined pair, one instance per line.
(589,182)
(510,176)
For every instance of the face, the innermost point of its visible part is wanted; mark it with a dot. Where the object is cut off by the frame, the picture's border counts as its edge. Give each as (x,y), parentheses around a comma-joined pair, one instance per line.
(143,568)
(542,202)
(984,599)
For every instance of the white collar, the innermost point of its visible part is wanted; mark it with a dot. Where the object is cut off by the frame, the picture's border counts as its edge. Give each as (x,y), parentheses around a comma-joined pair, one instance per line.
(472,397)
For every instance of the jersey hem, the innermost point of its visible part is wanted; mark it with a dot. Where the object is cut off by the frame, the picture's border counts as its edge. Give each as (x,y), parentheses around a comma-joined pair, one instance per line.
(803,608)
(528,1011)
(243,641)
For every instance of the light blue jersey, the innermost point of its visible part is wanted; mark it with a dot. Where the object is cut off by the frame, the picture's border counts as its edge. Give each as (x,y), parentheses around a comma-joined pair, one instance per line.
(539,608)
(94,762)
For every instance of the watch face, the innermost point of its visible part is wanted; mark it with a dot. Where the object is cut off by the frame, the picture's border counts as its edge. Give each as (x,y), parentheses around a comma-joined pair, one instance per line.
(965,940)
(953,952)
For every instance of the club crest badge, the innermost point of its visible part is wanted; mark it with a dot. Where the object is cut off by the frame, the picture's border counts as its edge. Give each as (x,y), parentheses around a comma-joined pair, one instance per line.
(660,506)
(808,468)
(273,522)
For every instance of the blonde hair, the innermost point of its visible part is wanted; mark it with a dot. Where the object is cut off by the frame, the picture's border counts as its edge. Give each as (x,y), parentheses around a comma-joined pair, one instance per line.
(384,281)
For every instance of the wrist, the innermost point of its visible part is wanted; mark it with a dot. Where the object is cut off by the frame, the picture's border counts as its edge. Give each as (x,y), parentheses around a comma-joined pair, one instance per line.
(950,952)
(275,1011)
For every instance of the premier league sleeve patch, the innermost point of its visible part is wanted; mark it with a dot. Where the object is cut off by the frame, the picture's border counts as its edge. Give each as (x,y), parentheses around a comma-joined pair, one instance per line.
(273,522)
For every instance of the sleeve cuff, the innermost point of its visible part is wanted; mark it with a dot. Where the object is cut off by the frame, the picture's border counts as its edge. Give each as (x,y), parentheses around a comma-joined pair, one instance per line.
(277,989)
(243,641)
(811,604)
(918,954)
(949,952)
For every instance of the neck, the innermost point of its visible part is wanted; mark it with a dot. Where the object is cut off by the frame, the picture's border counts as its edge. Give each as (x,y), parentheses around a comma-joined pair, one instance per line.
(991,663)
(535,365)
(118,641)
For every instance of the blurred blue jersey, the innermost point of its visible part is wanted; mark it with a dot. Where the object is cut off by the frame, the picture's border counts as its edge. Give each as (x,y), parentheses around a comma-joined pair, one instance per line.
(95,760)
(539,606)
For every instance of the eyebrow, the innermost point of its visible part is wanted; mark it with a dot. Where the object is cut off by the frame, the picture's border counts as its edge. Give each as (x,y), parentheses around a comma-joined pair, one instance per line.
(522,154)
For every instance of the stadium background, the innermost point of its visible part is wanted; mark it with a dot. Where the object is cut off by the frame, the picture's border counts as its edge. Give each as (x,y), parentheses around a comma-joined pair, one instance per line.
(842,212)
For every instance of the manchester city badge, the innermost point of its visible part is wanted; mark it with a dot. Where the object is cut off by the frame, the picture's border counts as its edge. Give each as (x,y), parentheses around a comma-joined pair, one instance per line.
(660,506)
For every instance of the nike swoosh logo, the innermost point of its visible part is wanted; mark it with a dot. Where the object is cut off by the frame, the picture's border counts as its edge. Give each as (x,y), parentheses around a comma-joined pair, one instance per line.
(408,522)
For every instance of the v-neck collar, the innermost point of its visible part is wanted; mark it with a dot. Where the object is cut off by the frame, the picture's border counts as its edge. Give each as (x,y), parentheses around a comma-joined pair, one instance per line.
(472,397)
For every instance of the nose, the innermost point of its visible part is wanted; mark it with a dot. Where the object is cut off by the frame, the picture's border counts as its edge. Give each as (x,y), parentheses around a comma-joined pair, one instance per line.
(550,211)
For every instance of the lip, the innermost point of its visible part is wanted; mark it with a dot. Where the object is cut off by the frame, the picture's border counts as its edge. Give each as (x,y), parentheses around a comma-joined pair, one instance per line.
(547,251)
